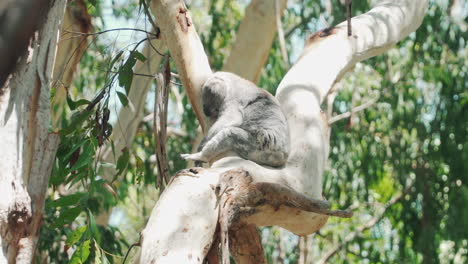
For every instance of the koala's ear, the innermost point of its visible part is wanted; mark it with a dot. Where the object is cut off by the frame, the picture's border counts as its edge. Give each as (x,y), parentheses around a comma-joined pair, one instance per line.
(213,95)
(215,85)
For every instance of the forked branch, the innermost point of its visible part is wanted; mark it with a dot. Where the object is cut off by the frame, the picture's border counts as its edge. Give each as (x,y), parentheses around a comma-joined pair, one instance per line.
(290,196)
(240,197)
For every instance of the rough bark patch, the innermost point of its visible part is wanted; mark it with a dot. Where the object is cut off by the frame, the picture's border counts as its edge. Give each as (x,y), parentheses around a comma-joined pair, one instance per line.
(183,19)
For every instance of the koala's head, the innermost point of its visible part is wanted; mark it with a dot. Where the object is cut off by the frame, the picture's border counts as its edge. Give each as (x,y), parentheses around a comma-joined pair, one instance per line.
(213,95)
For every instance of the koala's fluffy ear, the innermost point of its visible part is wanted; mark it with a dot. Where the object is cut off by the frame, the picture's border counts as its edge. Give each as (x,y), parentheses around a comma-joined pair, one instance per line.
(213,95)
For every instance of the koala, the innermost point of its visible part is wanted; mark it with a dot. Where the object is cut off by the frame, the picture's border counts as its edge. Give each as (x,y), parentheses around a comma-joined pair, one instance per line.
(242,118)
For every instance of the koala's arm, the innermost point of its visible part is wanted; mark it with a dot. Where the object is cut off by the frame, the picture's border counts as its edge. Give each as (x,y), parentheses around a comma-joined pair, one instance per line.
(228,138)
(228,118)
(216,140)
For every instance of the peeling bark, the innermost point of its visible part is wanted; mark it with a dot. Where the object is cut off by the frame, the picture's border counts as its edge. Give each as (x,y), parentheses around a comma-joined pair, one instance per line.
(29,147)
(186,49)
(245,245)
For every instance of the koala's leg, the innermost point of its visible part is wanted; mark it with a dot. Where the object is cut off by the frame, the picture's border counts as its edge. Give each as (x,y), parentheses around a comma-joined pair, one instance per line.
(228,138)
(242,142)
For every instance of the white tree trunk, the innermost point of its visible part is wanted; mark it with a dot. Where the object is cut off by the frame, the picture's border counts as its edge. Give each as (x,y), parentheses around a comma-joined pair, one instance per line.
(254,39)
(28,147)
(182,224)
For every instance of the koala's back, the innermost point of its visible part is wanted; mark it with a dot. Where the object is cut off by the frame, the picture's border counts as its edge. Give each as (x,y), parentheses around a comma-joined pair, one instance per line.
(266,140)
(263,117)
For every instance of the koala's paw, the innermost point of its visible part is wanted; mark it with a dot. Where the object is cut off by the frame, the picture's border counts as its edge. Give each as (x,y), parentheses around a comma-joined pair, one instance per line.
(196,157)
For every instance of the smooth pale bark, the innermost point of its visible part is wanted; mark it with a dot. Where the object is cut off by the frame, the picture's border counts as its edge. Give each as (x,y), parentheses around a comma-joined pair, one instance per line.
(28,146)
(70,50)
(186,50)
(325,59)
(254,39)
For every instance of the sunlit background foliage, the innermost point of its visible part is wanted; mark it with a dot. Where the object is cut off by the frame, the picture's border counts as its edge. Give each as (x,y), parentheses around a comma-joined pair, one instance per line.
(401,164)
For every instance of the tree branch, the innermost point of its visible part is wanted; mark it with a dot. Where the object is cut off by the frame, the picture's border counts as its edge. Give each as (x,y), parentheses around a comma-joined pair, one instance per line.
(77,33)
(259,21)
(303,22)
(353,111)
(282,42)
(160,127)
(186,49)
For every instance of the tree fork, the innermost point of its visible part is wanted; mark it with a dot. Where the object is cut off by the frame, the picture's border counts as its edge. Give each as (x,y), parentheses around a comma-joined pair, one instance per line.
(300,94)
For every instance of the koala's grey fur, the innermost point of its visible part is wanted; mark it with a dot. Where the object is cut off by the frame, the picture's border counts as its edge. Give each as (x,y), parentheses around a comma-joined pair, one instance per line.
(243,118)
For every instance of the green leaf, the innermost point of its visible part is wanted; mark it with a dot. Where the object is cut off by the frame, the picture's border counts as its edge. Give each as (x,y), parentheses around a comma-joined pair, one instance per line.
(113,148)
(139,56)
(59,173)
(131,60)
(93,227)
(126,78)
(123,98)
(75,236)
(68,200)
(77,120)
(74,148)
(114,60)
(122,162)
(67,216)
(81,253)
(86,156)
(126,72)
(75,104)
(140,168)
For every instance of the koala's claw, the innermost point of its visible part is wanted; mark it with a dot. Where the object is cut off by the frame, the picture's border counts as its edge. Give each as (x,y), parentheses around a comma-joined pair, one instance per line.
(185,156)
(194,157)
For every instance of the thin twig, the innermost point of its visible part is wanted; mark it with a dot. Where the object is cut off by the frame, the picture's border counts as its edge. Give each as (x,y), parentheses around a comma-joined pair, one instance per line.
(148,15)
(353,110)
(110,30)
(155,49)
(149,76)
(282,42)
(348,16)
(138,244)
(298,25)
(173,74)
(160,124)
